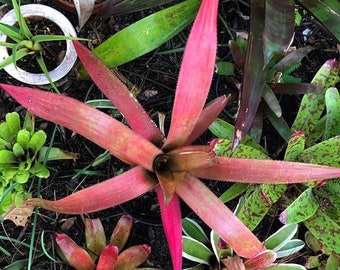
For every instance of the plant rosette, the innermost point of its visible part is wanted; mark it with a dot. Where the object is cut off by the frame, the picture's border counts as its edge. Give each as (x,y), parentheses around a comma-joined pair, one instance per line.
(48,13)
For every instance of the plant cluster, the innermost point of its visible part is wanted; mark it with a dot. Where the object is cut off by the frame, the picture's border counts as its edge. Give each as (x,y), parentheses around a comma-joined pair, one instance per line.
(22,155)
(212,251)
(172,166)
(111,256)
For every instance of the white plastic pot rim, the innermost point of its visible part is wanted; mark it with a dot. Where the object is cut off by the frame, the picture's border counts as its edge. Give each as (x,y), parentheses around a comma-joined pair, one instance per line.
(66,27)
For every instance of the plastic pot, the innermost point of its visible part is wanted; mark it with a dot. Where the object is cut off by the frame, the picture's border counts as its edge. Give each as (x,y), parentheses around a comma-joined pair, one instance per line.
(46,12)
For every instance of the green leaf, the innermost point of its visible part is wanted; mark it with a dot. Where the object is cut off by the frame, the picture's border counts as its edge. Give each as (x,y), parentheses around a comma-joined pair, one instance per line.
(332,100)
(37,141)
(7,156)
(11,60)
(333,262)
(223,130)
(291,247)
(234,191)
(277,240)
(39,170)
(21,176)
(196,251)
(4,131)
(223,148)
(11,31)
(224,68)
(295,147)
(327,12)
(324,229)
(192,229)
(24,30)
(258,203)
(303,207)
(23,138)
(312,105)
(13,122)
(18,150)
(321,154)
(145,35)
(271,100)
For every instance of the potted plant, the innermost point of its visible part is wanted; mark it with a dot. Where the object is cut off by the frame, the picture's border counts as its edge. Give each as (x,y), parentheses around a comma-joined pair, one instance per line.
(16,36)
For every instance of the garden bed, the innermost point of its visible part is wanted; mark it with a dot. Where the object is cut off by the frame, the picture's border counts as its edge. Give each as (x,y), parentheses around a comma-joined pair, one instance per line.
(155,76)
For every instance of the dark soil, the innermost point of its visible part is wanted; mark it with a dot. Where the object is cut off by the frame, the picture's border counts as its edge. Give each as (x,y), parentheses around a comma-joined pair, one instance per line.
(155,75)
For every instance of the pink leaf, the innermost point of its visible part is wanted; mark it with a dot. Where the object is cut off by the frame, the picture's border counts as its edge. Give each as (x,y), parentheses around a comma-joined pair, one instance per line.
(265,171)
(120,96)
(195,75)
(108,258)
(74,254)
(132,257)
(93,124)
(103,195)
(261,260)
(218,217)
(207,117)
(172,224)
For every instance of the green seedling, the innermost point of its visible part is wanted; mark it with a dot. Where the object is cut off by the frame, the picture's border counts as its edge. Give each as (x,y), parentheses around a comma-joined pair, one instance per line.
(217,254)
(111,256)
(23,43)
(22,154)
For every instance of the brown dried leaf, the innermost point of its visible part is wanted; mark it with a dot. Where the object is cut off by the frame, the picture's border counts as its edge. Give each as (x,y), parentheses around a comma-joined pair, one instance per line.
(19,215)
(234,263)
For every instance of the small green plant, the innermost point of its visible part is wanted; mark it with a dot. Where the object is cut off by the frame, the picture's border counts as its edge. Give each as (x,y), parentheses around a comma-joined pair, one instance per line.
(111,256)
(23,43)
(22,152)
(215,253)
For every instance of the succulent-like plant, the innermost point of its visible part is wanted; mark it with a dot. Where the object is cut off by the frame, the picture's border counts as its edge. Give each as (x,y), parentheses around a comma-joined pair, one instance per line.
(172,166)
(111,256)
(212,251)
(22,152)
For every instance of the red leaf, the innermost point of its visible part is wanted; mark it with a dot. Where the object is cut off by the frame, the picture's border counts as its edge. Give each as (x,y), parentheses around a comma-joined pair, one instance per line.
(93,124)
(207,117)
(172,224)
(195,75)
(103,195)
(108,258)
(218,217)
(265,171)
(120,96)
(74,254)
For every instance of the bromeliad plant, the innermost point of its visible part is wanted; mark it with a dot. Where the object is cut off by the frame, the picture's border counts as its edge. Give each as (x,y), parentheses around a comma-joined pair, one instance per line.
(111,256)
(170,166)
(22,154)
(212,251)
